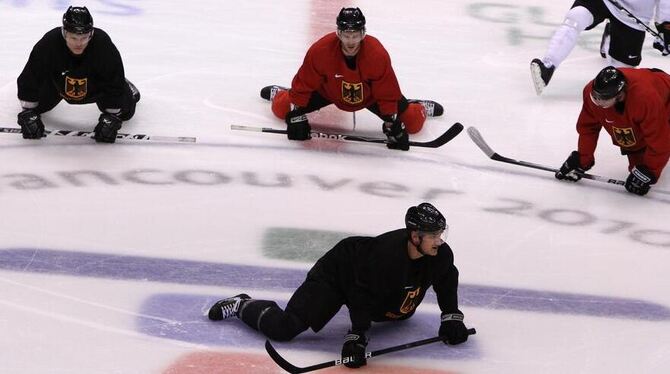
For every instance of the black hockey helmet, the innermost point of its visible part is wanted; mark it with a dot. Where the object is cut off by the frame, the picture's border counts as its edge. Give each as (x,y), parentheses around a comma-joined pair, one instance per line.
(77,20)
(426,218)
(608,83)
(351,19)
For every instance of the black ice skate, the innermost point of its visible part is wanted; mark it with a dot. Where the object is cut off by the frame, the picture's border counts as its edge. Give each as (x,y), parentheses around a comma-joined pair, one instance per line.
(432,108)
(605,42)
(269,92)
(541,74)
(226,308)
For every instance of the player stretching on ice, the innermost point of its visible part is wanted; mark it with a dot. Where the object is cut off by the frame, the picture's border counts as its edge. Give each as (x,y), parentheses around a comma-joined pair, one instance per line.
(79,64)
(353,71)
(633,106)
(381,278)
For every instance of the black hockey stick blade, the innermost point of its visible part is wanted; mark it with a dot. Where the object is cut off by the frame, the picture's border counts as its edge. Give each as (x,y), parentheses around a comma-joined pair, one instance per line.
(279,360)
(91,134)
(479,141)
(451,133)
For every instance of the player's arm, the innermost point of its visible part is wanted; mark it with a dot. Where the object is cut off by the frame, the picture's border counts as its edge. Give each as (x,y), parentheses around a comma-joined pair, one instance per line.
(445,284)
(28,86)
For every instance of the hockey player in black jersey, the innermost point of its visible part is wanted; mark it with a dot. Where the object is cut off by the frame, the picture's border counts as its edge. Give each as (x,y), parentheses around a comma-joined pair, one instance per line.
(381,278)
(77,63)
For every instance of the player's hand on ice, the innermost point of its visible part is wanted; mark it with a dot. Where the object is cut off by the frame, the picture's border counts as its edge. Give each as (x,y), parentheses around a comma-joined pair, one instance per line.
(354,346)
(639,180)
(31,124)
(663,43)
(452,328)
(396,134)
(297,126)
(571,169)
(107,128)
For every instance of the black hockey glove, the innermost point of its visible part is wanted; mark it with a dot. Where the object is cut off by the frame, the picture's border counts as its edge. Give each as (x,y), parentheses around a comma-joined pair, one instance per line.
(31,124)
(107,128)
(571,168)
(640,180)
(452,328)
(354,346)
(663,43)
(297,125)
(395,131)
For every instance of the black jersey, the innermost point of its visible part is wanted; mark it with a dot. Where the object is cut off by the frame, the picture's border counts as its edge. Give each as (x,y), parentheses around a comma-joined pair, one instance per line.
(96,75)
(379,281)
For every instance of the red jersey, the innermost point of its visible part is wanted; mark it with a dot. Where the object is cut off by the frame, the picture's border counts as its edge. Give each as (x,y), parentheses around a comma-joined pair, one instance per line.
(643,126)
(325,70)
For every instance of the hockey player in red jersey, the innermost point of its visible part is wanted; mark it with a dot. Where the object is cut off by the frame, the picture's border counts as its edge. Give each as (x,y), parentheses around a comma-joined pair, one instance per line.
(379,279)
(79,64)
(633,106)
(353,71)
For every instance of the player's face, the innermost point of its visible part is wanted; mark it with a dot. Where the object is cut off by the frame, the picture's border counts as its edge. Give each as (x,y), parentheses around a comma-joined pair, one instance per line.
(77,43)
(605,103)
(430,242)
(351,41)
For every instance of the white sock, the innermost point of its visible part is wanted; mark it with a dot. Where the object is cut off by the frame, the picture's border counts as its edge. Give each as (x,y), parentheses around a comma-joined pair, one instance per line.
(565,37)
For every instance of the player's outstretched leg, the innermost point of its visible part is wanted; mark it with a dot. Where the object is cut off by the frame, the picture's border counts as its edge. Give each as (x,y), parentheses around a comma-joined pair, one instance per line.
(541,74)
(269,92)
(227,308)
(432,108)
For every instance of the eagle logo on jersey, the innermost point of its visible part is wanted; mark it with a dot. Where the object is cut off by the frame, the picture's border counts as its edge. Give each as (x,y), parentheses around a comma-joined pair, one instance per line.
(76,88)
(352,93)
(410,301)
(625,137)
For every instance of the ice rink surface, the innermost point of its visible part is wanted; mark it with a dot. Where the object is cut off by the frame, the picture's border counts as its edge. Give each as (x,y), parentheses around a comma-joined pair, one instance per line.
(109,253)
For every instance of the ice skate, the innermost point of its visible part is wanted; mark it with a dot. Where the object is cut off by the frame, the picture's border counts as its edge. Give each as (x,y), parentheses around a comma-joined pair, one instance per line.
(269,92)
(541,74)
(226,308)
(432,108)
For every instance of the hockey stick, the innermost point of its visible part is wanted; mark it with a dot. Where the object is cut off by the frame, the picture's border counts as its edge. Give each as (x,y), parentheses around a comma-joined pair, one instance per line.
(451,133)
(279,360)
(90,134)
(479,140)
(637,20)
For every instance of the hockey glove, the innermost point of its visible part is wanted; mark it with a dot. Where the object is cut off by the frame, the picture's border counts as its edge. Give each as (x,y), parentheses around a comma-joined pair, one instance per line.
(297,125)
(107,128)
(663,43)
(452,328)
(396,134)
(571,169)
(31,124)
(353,350)
(640,180)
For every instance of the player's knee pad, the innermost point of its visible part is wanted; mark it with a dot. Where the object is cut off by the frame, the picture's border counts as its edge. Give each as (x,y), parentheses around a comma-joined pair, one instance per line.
(281,326)
(578,18)
(281,104)
(413,118)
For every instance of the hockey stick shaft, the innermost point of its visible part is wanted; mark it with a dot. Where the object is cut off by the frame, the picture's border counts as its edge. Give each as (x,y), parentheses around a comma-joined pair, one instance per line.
(448,135)
(481,143)
(637,20)
(90,134)
(295,370)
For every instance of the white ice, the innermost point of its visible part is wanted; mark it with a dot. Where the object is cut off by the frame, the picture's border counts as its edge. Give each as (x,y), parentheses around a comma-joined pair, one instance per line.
(108,253)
